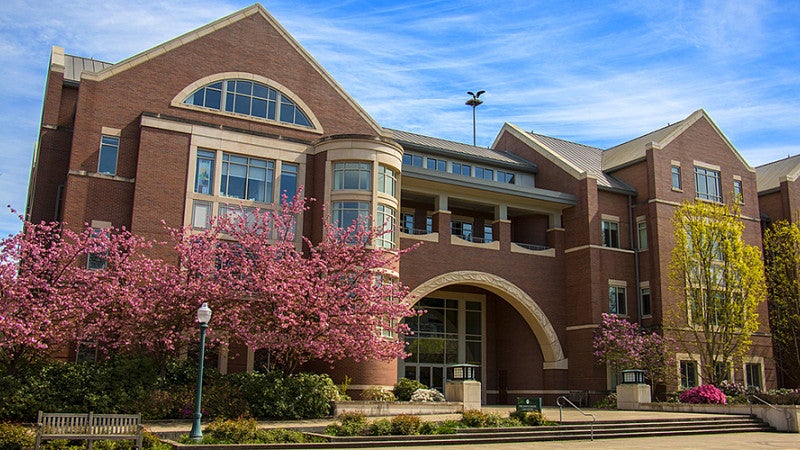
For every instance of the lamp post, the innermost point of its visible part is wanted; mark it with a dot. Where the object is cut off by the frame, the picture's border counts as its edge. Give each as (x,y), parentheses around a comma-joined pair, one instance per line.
(474,102)
(203,317)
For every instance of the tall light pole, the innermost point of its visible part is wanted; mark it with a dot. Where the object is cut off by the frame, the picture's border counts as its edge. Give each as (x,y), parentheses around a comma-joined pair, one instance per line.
(203,317)
(474,102)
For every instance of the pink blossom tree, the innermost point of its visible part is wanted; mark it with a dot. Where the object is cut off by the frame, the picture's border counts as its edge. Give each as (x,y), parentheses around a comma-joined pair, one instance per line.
(623,345)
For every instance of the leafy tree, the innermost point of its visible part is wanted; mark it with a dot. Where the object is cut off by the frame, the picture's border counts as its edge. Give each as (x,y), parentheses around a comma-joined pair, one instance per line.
(721,280)
(782,261)
(623,345)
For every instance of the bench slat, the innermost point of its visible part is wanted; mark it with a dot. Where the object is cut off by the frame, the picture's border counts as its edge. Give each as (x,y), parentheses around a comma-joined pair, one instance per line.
(89,427)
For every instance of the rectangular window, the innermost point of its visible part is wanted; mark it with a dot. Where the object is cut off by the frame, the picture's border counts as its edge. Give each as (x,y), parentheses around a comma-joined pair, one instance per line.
(428,224)
(347,213)
(461,229)
(204,172)
(753,375)
(201,214)
(247,178)
(289,180)
(707,184)
(676,177)
(412,160)
(461,169)
(641,234)
(437,164)
(387,181)
(352,175)
(738,195)
(482,172)
(647,308)
(387,222)
(97,260)
(610,234)
(505,177)
(487,233)
(407,223)
(616,300)
(109,151)
(688,374)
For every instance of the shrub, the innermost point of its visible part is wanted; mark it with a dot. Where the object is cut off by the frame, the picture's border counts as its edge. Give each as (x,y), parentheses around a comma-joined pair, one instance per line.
(446,427)
(493,420)
(276,396)
(15,437)
(405,388)
(732,388)
(530,418)
(405,424)
(608,402)
(284,436)
(380,427)
(706,393)
(782,396)
(237,431)
(473,418)
(427,395)
(350,424)
(377,394)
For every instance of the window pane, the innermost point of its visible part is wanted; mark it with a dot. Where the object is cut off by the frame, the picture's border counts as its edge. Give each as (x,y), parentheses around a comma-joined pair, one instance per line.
(213,99)
(204,174)
(107,158)
(289,179)
(201,214)
(260,108)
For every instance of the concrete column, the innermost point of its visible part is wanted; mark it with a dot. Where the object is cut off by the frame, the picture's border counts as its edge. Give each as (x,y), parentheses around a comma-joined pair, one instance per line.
(466,391)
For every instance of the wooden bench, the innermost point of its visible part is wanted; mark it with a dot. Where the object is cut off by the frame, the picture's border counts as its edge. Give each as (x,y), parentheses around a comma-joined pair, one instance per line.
(89,427)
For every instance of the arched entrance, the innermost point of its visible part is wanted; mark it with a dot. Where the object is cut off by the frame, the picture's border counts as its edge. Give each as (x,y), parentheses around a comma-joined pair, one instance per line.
(464,309)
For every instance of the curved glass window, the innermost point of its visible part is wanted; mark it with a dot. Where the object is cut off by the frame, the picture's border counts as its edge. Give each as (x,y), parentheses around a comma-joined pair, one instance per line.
(352,175)
(248,98)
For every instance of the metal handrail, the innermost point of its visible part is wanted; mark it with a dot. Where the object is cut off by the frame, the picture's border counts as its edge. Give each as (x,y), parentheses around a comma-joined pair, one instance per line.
(759,399)
(561,411)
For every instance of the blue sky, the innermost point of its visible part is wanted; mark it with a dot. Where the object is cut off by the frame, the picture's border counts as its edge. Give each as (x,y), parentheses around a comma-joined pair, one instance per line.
(598,73)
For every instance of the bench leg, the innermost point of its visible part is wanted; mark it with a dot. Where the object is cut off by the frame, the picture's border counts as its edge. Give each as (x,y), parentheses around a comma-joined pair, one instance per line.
(89,444)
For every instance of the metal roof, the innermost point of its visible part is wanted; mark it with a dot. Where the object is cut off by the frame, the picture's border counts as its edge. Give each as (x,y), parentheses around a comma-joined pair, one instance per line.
(635,148)
(75,65)
(585,158)
(769,176)
(431,143)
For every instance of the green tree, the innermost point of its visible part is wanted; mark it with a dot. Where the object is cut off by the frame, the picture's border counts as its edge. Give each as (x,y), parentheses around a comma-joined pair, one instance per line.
(782,263)
(722,282)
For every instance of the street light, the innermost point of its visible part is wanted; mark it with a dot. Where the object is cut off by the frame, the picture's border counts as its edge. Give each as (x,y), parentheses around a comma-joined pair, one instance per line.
(474,102)
(203,317)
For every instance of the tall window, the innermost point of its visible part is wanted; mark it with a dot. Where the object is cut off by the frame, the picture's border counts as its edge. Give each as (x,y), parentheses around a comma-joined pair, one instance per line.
(352,175)
(688,374)
(386,220)
(204,172)
(461,229)
(387,181)
(616,300)
(487,233)
(201,214)
(676,177)
(407,223)
(461,169)
(345,213)
(641,233)
(610,234)
(97,260)
(707,182)
(753,375)
(647,307)
(109,151)
(738,195)
(289,179)
(248,98)
(247,178)
(436,164)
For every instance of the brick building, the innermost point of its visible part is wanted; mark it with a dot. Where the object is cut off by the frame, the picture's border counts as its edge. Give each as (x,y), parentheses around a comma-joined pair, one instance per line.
(524,244)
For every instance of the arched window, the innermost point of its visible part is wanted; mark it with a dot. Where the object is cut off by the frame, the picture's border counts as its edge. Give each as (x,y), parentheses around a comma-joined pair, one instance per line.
(249,98)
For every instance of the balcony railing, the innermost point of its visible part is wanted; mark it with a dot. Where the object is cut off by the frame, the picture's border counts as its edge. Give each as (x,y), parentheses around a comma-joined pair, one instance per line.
(533,247)
(415,231)
(475,239)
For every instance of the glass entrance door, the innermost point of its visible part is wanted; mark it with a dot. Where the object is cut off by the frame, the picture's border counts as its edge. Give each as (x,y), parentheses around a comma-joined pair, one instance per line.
(449,332)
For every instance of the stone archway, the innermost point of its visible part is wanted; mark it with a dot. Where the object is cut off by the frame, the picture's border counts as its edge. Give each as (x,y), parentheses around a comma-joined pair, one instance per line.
(536,318)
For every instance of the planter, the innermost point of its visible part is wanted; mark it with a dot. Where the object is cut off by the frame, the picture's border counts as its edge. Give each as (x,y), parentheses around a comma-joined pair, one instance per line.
(372,409)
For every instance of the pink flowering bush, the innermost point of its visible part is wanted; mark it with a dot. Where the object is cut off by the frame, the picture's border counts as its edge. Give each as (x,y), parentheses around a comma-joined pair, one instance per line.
(624,345)
(707,393)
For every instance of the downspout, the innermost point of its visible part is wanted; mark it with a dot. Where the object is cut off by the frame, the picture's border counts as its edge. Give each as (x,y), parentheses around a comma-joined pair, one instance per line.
(636,249)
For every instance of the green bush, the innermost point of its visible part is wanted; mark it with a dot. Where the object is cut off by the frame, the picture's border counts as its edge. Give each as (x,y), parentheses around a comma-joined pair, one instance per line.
(405,424)
(405,388)
(238,431)
(473,418)
(275,396)
(380,427)
(15,437)
(377,394)
(350,424)
(446,427)
(530,418)
(610,402)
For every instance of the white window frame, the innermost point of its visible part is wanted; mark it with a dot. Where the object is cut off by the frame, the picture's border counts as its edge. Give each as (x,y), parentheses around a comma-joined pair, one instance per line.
(386,213)
(362,171)
(615,287)
(610,226)
(706,180)
(108,144)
